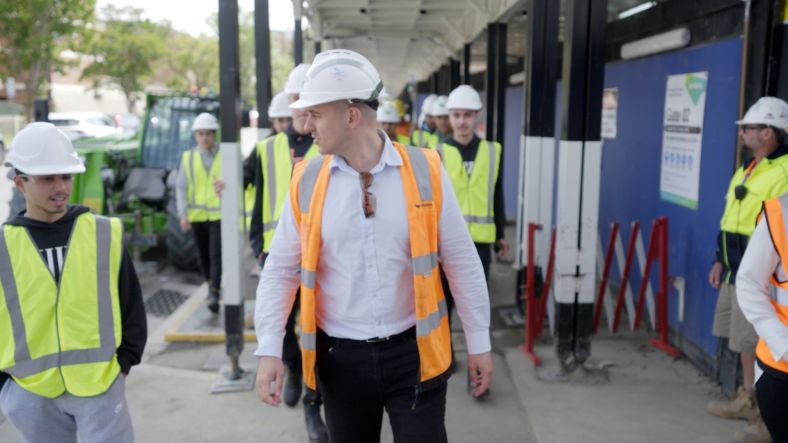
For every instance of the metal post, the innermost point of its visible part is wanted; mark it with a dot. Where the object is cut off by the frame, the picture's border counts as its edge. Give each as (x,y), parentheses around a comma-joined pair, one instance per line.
(318,46)
(454,74)
(232,206)
(434,82)
(298,43)
(489,84)
(537,144)
(466,64)
(262,40)
(501,80)
(580,159)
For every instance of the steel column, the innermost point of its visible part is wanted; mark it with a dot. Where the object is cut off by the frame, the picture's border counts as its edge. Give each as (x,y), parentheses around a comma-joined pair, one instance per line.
(454,74)
(232,205)
(580,156)
(466,64)
(298,43)
(490,78)
(537,144)
(262,52)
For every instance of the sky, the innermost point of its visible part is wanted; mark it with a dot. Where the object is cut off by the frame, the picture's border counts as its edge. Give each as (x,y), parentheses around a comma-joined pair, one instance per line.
(191,15)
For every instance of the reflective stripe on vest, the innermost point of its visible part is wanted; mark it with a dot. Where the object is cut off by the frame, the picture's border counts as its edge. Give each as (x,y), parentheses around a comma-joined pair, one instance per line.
(421,180)
(475,192)
(276,180)
(55,348)
(202,204)
(775,212)
(769,179)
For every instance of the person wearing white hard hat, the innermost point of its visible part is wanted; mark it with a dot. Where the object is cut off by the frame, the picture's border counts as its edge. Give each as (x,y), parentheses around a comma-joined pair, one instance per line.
(763,176)
(73,316)
(277,155)
(389,120)
(198,191)
(423,136)
(362,232)
(280,113)
(440,114)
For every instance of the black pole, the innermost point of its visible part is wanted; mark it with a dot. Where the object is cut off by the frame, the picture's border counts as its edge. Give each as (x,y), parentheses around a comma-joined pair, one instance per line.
(298,43)
(318,47)
(454,73)
(492,48)
(541,68)
(501,81)
(434,82)
(262,39)
(466,64)
(230,115)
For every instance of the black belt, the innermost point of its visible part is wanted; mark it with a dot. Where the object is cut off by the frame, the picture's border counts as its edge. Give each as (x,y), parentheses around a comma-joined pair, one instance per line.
(409,333)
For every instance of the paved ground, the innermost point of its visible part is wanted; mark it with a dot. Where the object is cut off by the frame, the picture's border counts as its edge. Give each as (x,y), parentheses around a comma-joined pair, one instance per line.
(642,396)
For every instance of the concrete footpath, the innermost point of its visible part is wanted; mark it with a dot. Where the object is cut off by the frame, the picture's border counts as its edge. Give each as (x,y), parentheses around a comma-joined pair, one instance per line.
(632,393)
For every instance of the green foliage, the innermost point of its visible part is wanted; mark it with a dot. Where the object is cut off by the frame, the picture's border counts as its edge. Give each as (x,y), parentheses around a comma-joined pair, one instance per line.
(32,34)
(124,50)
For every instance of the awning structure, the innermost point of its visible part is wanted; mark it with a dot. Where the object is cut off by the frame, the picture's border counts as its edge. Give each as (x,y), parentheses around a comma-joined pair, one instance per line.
(410,39)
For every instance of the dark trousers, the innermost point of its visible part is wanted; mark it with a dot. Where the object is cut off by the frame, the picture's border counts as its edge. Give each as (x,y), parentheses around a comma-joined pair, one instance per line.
(291,352)
(208,237)
(485,255)
(359,379)
(772,395)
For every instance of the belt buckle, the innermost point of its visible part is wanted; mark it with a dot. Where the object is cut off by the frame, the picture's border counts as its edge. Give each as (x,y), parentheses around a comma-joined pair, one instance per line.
(377,339)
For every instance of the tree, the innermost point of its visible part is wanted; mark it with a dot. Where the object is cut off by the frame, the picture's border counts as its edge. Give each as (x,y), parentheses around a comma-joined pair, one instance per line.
(193,62)
(124,50)
(32,35)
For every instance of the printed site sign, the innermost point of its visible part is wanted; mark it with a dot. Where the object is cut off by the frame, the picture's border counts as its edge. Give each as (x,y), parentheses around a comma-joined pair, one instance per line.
(682,136)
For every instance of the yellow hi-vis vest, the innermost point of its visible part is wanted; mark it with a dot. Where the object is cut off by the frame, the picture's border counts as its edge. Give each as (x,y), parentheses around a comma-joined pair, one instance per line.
(403,139)
(276,164)
(421,182)
(769,179)
(775,212)
(203,203)
(249,196)
(62,337)
(475,191)
(423,139)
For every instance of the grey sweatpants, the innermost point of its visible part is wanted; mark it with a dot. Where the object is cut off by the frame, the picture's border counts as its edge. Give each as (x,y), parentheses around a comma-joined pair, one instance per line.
(101,419)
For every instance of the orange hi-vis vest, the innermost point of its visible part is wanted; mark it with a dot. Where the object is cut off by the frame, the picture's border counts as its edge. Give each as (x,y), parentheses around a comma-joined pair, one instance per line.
(421,182)
(774,210)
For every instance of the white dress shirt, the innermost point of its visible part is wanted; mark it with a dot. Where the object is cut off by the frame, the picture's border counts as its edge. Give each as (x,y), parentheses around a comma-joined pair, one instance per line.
(364,274)
(754,290)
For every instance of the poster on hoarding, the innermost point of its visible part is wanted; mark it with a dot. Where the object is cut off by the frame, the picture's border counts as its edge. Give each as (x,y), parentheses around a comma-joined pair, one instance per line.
(609,112)
(682,136)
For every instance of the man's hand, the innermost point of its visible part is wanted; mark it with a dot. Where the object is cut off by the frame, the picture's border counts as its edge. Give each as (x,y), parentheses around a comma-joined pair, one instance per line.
(503,247)
(715,274)
(481,368)
(270,378)
(218,187)
(185,225)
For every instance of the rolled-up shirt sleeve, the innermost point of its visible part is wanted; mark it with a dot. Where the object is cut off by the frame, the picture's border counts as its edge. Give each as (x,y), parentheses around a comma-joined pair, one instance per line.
(463,268)
(753,290)
(279,280)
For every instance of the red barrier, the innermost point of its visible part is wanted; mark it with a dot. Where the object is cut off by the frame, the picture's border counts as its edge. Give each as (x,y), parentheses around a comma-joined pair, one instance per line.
(531,305)
(661,342)
(622,290)
(611,247)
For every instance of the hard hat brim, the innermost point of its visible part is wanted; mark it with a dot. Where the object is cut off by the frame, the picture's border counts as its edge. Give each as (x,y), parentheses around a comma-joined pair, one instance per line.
(49,169)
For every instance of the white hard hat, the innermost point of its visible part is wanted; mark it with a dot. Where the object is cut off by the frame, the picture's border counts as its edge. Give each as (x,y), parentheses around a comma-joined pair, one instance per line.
(295,80)
(387,113)
(43,149)
(339,74)
(205,121)
(439,108)
(278,107)
(426,105)
(464,97)
(769,111)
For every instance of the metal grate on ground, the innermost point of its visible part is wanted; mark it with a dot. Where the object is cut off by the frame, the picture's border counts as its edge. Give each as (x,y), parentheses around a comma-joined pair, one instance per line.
(164,302)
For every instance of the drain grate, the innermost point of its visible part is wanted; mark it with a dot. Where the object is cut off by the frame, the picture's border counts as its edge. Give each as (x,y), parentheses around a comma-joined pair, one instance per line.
(164,302)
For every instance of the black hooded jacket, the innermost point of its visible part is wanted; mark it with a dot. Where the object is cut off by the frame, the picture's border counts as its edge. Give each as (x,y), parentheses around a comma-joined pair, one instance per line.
(52,241)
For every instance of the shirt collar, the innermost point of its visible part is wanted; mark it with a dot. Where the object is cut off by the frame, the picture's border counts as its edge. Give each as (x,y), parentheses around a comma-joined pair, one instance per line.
(389,157)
